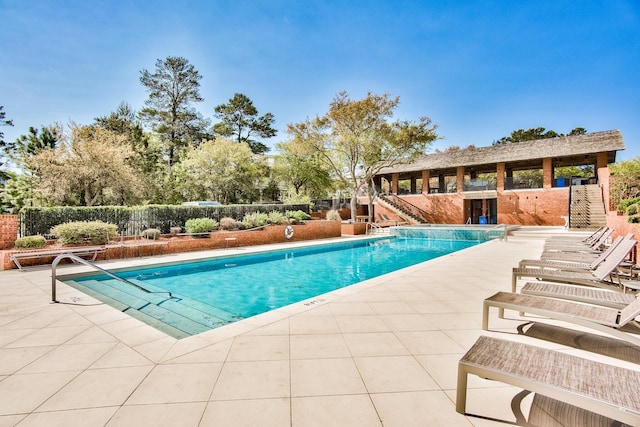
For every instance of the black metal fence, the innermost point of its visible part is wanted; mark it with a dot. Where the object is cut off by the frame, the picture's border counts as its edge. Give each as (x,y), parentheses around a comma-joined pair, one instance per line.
(132,220)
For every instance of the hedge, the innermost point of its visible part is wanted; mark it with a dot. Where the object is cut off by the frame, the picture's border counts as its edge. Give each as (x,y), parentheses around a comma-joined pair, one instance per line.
(132,220)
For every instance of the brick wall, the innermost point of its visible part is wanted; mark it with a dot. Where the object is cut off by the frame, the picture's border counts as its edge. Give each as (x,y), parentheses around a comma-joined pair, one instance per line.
(8,231)
(533,207)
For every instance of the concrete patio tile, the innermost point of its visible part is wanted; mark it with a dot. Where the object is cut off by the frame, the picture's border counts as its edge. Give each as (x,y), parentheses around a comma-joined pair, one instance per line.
(429,342)
(76,417)
(418,409)
(212,353)
(280,327)
(97,387)
(254,348)
(176,383)
(322,411)
(20,394)
(375,344)
(392,307)
(94,334)
(352,324)
(323,377)
(11,420)
(159,415)
(69,357)
(342,308)
(121,356)
(14,359)
(313,325)
(407,322)
(394,374)
(253,380)
(248,413)
(49,336)
(443,368)
(318,346)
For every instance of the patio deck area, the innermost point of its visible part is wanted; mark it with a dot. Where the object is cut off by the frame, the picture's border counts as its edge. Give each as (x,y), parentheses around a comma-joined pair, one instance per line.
(382,352)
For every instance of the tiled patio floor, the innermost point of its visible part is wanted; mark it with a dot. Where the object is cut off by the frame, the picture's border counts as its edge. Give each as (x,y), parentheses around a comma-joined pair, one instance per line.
(383,352)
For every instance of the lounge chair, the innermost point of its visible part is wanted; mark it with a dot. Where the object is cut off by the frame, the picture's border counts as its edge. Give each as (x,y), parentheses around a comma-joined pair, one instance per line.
(583,294)
(604,319)
(600,388)
(597,277)
(576,256)
(574,239)
(570,265)
(579,246)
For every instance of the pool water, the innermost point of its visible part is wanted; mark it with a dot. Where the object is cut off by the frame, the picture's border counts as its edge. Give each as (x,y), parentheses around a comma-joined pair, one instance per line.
(211,293)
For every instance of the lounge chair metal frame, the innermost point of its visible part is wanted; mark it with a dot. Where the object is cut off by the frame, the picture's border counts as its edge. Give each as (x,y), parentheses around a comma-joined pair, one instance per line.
(599,318)
(601,388)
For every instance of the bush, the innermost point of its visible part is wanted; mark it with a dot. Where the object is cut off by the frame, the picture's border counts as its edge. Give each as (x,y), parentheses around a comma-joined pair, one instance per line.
(30,242)
(151,233)
(228,223)
(255,219)
(175,230)
(200,225)
(634,219)
(623,205)
(277,218)
(297,216)
(333,215)
(96,232)
(633,209)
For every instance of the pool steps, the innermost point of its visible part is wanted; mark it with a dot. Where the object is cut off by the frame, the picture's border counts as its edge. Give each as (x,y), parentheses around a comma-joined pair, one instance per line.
(157,310)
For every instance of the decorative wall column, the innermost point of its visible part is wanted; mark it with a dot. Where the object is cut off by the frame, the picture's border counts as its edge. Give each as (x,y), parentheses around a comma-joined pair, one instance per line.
(460,178)
(500,176)
(8,231)
(395,177)
(547,172)
(425,181)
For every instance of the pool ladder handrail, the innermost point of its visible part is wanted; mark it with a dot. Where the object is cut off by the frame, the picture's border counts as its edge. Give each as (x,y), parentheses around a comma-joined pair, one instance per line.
(77,259)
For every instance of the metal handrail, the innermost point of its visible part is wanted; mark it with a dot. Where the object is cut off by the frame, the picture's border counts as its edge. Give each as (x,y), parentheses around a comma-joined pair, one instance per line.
(76,258)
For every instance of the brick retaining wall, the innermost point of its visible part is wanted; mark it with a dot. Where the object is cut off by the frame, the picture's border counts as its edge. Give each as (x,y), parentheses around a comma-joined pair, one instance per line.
(311,230)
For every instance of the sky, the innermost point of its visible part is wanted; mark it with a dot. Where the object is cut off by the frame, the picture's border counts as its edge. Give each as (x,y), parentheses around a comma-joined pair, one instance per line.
(478,69)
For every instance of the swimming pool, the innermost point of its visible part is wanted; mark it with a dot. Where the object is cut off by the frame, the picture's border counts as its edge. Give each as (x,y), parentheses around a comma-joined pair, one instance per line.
(190,298)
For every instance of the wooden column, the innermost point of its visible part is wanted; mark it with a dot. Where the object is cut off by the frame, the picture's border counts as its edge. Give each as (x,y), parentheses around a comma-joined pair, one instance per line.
(460,178)
(395,177)
(500,176)
(425,182)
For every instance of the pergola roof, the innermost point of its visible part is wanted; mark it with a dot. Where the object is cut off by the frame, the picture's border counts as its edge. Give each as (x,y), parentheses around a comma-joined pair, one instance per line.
(565,151)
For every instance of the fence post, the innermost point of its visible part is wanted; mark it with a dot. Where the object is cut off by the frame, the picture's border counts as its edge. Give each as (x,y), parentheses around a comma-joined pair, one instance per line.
(8,231)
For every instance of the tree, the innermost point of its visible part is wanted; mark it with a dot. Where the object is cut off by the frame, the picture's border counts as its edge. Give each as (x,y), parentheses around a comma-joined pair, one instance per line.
(240,121)
(90,168)
(221,170)
(533,134)
(3,122)
(356,139)
(625,180)
(173,88)
(303,171)
(146,157)
(33,142)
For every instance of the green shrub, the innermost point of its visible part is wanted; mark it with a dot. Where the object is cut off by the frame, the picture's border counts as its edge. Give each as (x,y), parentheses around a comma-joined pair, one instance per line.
(151,233)
(228,223)
(200,225)
(30,242)
(255,219)
(297,216)
(634,219)
(277,218)
(623,205)
(96,232)
(333,215)
(633,209)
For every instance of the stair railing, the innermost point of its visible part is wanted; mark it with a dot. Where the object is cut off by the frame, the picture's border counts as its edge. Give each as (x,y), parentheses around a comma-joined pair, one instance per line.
(403,204)
(77,259)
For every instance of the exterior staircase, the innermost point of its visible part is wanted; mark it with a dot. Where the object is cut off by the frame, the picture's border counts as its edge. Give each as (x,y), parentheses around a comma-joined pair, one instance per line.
(408,212)
(587,207)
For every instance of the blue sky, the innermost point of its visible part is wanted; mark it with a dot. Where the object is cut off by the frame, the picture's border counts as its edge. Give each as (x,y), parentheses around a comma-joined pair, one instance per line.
(479,69)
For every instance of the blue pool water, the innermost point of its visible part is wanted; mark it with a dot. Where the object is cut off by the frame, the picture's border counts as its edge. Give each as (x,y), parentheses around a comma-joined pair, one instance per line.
(211,293)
